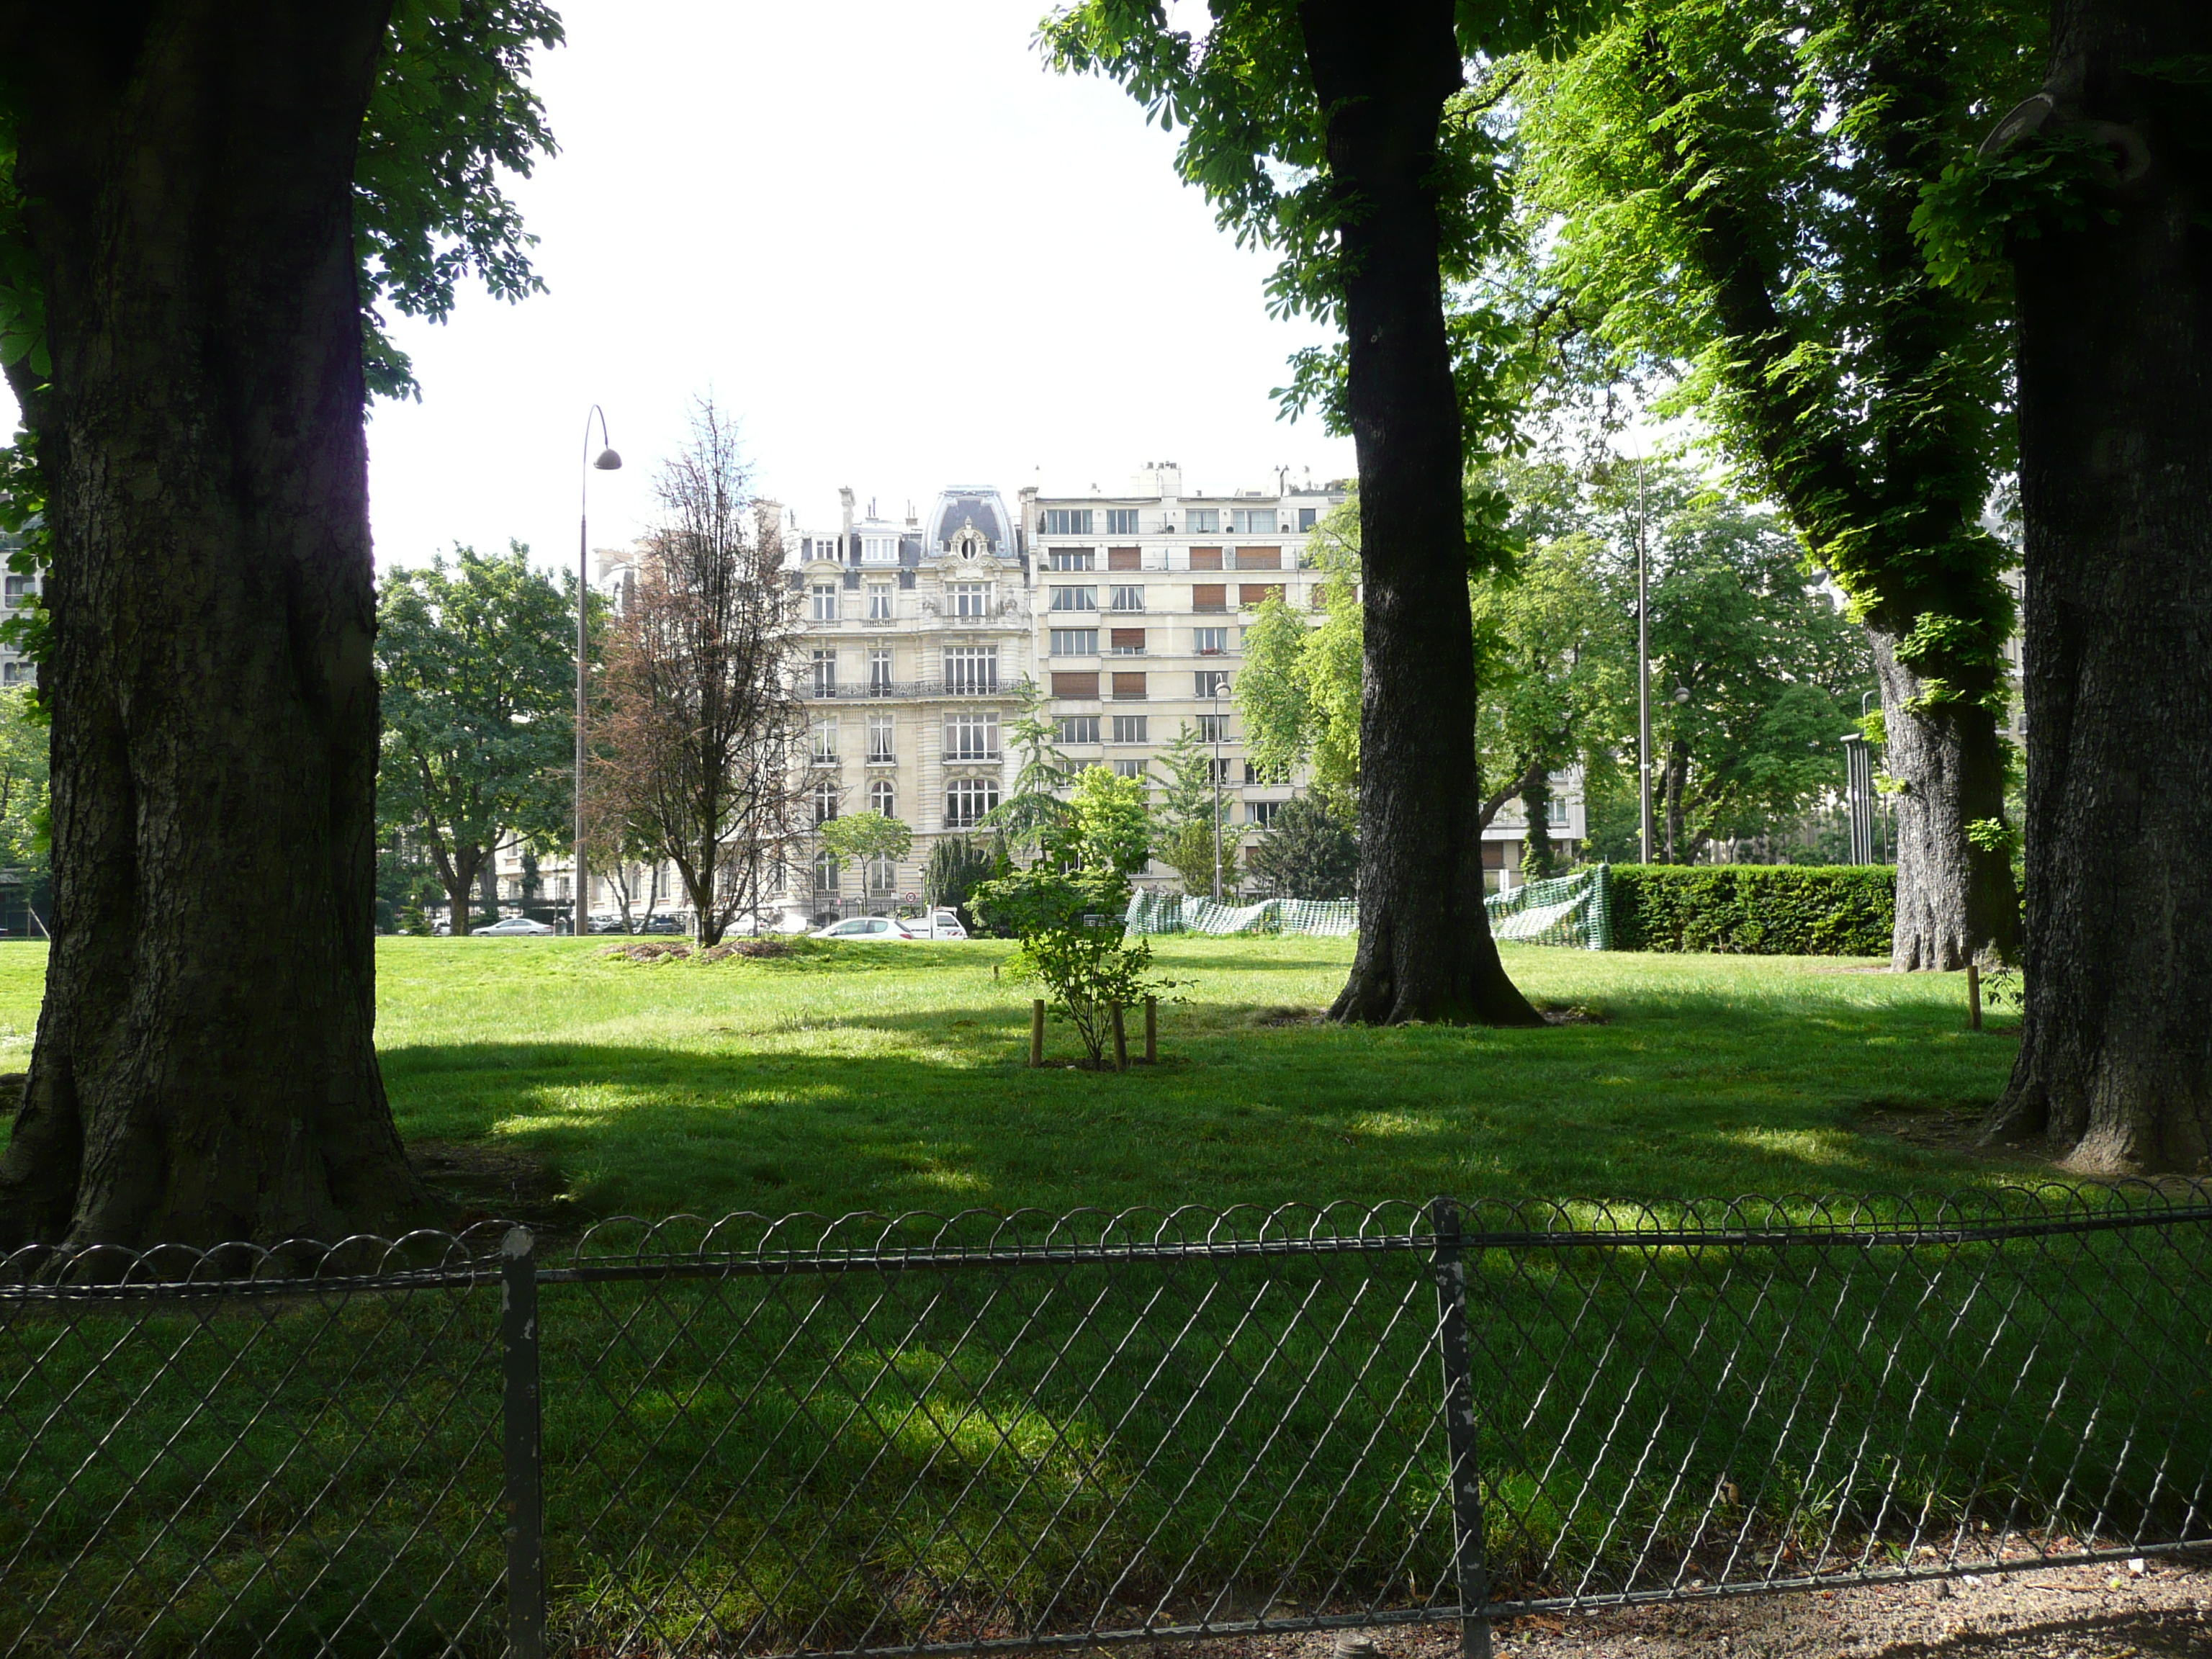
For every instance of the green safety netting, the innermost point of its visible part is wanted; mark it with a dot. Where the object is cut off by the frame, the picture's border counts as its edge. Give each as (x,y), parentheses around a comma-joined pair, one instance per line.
(1574,911)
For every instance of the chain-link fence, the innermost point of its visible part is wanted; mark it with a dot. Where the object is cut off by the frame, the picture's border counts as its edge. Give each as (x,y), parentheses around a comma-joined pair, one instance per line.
(870,1436)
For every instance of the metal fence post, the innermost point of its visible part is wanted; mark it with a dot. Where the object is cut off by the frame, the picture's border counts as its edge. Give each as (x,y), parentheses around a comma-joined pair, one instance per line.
(1468,1551)
(524,1498)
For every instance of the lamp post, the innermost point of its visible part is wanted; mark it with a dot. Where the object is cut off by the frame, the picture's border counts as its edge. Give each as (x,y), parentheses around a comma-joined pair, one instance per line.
(580,908)
(1216,789)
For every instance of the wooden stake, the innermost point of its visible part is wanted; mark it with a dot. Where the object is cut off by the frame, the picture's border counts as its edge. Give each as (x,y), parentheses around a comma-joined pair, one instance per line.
(1121,1041)
(1036,1032)
(1973,997)
(1152,1030)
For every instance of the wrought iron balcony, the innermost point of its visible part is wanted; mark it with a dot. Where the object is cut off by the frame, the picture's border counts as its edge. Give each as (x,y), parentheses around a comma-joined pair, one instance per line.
(868,690)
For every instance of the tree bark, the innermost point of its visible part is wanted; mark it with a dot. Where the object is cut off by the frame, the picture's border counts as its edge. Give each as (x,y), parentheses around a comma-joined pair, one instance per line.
(204,1067)
(1956,902)
(1384,69)
(2115,1065)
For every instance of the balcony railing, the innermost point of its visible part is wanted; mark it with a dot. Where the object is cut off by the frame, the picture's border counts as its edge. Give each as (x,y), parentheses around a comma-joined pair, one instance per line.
(862,690)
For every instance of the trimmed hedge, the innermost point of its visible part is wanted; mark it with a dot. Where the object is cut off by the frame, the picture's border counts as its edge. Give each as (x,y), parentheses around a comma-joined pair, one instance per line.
(1755,909)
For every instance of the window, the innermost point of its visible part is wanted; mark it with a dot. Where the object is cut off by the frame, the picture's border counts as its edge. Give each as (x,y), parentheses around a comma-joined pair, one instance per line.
(1129,768)
(967,799)
(883,874)
(826,795)
(1074,641)
(1205,558)
(1259,558)
(1075,685)
(825,673)
(1075,598)
(1213,728)
(825,740)
(1210,680)
(1068,522)
(21,588)
(1252,521)
(1248,593)
(971,736)
(971,668)
(880,741)
(1125,558)
(1261,814)
(17,673)
(1127,642)
(1264,774)
(1128,688)
(1079,728)
(1121,520)
(1128,599)
(1555,812)
(1217,771)
(1069,558)
(1201,521)
(1209,641)
(825,602)
(972,598)
(1209,596)
(879,601)
(879,670)
(825,872)
(880,549)
(1130,728)
(1306,517)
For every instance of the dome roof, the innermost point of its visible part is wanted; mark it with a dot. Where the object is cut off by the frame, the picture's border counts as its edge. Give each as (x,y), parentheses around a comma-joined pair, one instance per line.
(959,511)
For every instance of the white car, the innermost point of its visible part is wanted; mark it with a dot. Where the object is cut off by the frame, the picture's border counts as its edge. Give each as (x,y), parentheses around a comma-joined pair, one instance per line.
(867,930)
(512,926)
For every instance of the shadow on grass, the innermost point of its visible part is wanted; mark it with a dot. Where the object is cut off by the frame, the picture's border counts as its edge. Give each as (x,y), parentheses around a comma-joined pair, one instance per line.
(935,1109)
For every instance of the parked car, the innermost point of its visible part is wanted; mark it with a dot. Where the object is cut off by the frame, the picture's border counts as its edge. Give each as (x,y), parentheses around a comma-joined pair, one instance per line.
(868,930)
(512,924)
(948,927)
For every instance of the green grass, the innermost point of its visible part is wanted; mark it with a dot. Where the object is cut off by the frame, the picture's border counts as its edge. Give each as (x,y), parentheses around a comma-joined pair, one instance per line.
(891,1079)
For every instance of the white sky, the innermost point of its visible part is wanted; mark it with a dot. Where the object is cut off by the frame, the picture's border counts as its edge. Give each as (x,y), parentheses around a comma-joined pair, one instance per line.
(884,235)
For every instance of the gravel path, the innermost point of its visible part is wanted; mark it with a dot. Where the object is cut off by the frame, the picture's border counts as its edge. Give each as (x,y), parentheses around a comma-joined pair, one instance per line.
(2067,1612)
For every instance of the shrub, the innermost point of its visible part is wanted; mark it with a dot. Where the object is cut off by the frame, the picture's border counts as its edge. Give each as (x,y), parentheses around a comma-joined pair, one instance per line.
(1755,909)
(1070,926)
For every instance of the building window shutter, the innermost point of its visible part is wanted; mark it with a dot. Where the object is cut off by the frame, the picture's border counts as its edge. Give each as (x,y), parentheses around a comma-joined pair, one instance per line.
(1077,685)
(1258,593)
(1128,638)
(1259,558)
(1209,596)
(1205,558)
(1128,688)
(1126,558)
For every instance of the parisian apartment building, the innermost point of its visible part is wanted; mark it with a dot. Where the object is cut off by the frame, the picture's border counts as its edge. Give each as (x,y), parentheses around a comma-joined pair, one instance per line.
(918,636)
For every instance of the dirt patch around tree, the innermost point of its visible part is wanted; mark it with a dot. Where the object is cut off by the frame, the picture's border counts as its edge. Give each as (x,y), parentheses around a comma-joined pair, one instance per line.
(496,1184)
(2066,1612)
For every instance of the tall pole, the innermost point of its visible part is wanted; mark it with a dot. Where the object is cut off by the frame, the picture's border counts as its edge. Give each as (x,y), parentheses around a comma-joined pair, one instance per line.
(1642,677)
(580,908)
(1217,789)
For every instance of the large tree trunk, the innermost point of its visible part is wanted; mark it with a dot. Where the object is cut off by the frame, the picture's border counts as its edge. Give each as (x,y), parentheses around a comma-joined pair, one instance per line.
(1955,901)
(204,1067)
(2115,1066)
(1384,69)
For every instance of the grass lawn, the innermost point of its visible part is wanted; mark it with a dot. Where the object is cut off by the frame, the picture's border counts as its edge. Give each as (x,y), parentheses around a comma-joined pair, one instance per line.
(890,1078)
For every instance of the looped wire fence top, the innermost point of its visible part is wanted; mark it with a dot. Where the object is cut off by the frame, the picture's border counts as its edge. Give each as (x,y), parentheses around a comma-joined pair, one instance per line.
(868,1434)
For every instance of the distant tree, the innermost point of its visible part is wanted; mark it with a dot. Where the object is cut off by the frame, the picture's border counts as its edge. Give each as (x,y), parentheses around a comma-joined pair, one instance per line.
(1034,809)
(478,666)
(1311,851)
(864,835)
(958,866)
(703,718)
(1109,828)
(24,772)
(1190,817)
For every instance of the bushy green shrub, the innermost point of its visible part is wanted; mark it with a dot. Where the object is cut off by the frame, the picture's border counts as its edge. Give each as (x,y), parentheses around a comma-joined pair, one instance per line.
(1755,909)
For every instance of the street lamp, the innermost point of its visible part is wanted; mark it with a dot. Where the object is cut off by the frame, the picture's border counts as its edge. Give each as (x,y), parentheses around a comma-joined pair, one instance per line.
(606,461)
(1643,679)
(1216,789)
